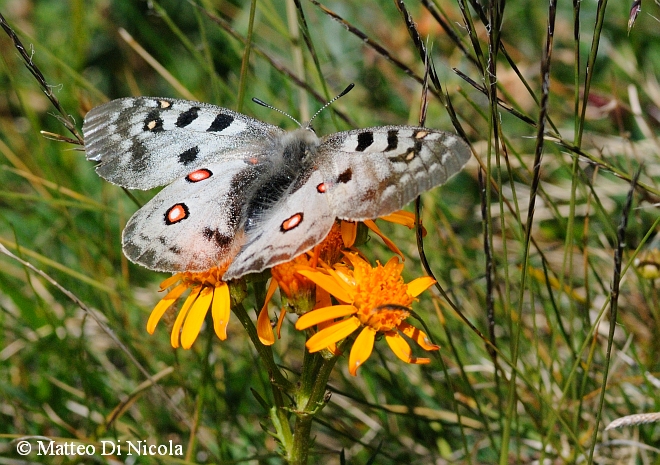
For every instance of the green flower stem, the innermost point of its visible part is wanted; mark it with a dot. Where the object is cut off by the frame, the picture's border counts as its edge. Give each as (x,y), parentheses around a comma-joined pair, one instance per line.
(310,399)
(279,417)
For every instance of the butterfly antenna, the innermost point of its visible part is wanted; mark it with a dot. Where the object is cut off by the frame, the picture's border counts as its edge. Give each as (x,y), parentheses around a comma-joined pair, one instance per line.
(264,104)
(343,92)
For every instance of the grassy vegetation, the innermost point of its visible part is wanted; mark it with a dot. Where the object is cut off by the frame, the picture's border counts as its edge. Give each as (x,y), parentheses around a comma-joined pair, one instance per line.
(548,331)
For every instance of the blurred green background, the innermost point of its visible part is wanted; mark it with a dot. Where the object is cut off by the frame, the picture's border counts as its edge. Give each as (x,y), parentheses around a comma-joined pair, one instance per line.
(62,376)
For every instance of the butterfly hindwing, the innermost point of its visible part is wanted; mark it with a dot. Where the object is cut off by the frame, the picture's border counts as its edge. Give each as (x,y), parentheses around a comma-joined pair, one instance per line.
(296,223)
(194,223)
(145,142)
(376,171)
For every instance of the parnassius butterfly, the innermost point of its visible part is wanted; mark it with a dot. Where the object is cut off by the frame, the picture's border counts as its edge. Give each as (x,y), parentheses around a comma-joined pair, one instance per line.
(249,194)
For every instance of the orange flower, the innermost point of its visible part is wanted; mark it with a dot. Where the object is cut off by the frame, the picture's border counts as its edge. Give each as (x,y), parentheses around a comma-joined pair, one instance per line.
(375,299)
(208,291)
(300,292)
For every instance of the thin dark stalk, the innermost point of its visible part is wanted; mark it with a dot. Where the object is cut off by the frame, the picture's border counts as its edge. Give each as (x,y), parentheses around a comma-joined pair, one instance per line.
(494,23)
(64,117)
(614,307)
(490,295)
(505,106)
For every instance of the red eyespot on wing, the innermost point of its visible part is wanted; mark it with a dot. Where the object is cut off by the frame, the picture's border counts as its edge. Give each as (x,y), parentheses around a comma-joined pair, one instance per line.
(199,175)
(176,213)
(292,222)
(252,160)
(322,188)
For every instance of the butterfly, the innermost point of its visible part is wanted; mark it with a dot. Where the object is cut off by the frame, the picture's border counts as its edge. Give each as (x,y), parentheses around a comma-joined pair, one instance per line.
(249,195)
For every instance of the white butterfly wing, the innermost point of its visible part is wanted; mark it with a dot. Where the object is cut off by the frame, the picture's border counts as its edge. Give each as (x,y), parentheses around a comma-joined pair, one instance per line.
(373,172)
(194,223)
(146,142)
(296,223)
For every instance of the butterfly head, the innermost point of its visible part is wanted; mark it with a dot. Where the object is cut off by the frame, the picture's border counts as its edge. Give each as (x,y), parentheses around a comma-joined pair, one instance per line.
(299,144)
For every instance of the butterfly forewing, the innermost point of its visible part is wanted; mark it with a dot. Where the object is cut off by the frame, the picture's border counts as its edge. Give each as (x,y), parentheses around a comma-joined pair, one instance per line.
(376,171)
(146,142)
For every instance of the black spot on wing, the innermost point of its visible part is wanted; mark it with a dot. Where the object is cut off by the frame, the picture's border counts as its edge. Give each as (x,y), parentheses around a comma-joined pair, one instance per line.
(365,139)
(392,139)
(153,122)
(345,176)
(417,146)
(220,123)
(188,156)
(221,240)
(187,117)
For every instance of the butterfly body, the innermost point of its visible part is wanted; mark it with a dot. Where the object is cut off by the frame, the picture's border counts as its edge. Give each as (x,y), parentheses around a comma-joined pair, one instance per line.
(247,194)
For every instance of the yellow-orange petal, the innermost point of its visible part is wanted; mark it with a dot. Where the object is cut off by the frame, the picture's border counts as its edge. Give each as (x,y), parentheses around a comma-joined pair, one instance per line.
(360,266)
(401,349)
(399,346)
(349,232)
(361,350)
(394,266)
(220,310)
(162,306)
(322,298)
(371,225)
(419,285)
(332,334)
(264,329)
(280,320)
(335,286)
(174,337)
(404,218)
(320,315)
(272,287)
(417,335)
(193,323)
(400,217)
(332,347)
(171,280)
